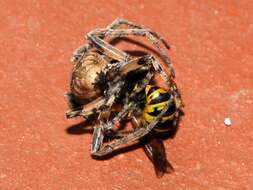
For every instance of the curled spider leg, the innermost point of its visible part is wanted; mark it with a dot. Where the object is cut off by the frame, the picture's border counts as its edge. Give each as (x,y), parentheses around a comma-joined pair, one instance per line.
(134,65)
(80,52)
(118,33)
(148,62)
(100,128)
(140,32)
(97,137)
(135,30)
(130,107)
(118,22)
(106,48)
(88,110)
(167,79)
(137,134)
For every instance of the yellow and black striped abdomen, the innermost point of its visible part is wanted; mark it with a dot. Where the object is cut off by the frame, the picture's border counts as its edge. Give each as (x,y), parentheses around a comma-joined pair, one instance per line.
(156,100)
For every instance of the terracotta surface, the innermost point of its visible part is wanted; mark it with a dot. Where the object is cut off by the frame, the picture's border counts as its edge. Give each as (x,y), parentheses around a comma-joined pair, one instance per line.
(211,48)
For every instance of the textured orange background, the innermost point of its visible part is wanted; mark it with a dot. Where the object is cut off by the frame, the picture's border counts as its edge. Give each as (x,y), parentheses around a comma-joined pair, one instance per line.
(211,48)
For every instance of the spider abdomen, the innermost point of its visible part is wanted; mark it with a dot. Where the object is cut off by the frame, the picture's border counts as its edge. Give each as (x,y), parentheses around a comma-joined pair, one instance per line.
(156,100)
(84,75)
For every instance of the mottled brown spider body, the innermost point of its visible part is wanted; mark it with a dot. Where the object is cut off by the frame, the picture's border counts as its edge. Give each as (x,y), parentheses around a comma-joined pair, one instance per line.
(85,74)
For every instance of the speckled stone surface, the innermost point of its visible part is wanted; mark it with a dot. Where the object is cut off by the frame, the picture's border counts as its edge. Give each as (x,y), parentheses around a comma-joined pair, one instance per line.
(211,48)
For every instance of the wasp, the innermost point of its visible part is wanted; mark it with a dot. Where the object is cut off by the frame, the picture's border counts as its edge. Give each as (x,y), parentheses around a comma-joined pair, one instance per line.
(105,78)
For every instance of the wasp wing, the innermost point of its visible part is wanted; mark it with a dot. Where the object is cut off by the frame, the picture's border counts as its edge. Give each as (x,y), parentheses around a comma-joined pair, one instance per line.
(155,150)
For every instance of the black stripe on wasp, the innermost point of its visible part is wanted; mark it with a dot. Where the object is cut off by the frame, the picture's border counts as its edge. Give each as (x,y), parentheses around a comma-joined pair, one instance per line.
(114,87)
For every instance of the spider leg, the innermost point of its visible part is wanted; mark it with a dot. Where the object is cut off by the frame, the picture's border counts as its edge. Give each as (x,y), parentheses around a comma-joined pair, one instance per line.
(100,128)
(118,33)
(132,65)
(136,30)
(105,125)
(80,52)
(130,107)
(118,22)
(97,136)
(95,39)
(148,62)
(137,134)
(87,109)
(139,32)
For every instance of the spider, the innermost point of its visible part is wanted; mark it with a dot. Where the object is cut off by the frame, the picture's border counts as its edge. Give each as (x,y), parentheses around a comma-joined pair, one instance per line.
(107,77)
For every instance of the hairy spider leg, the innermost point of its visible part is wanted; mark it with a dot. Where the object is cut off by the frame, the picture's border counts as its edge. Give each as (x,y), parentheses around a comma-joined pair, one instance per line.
(132,106)
(137,134)
(105,47)
(103,126)
(102,33)
(118,22)
(94,106)
(80,52)
(139,32)
(88,110)
(149,36)
(141,85)
(98,133)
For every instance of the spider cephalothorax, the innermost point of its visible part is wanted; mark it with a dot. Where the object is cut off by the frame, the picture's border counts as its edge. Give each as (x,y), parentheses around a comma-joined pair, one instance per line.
(104,77)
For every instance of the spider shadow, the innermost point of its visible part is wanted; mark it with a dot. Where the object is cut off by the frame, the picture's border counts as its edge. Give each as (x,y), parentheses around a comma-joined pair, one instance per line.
(116,41)
(79,128)
(85,127)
